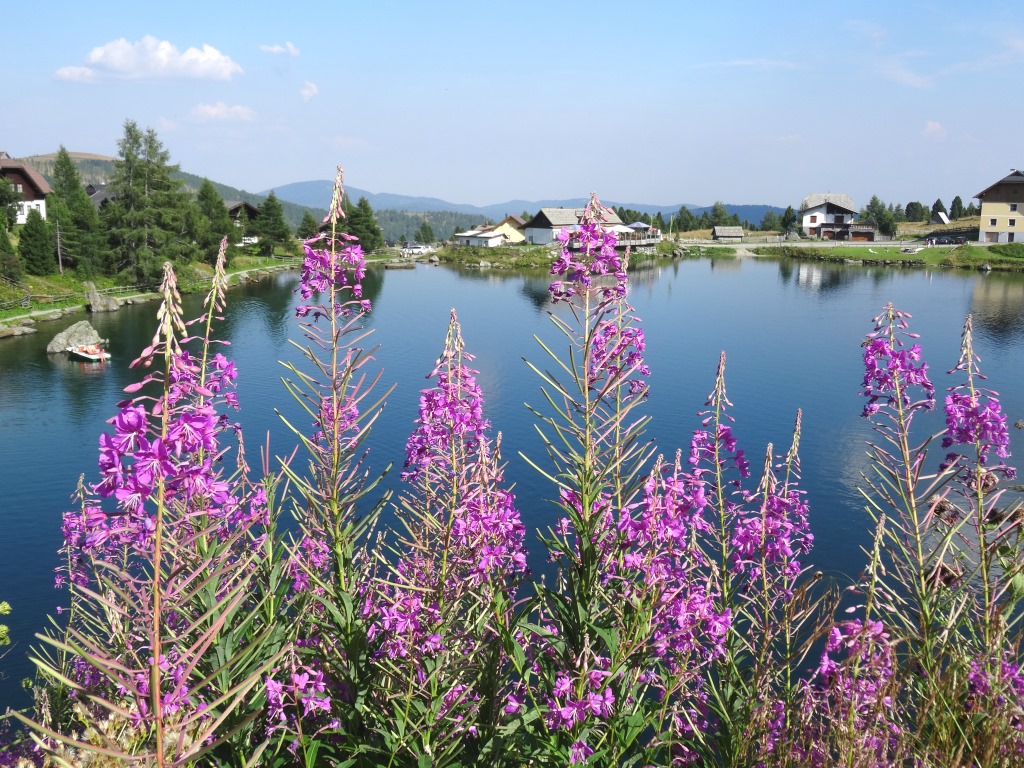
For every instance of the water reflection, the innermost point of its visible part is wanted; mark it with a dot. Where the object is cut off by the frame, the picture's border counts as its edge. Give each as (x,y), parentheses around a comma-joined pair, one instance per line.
(998,305)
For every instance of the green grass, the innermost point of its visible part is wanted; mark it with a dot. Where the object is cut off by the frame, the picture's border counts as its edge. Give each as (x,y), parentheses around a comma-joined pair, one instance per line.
(505,257)
(956,256)
(61,291)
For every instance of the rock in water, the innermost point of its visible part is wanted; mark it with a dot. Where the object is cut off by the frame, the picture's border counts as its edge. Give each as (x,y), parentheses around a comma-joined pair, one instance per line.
(99,303)
(78,334)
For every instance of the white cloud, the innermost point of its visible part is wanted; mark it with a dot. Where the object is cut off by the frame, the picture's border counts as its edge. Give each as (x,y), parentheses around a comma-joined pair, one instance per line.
(278,49)
(76,74)
(152,58)
(933,129)
(222,112)
(309,90)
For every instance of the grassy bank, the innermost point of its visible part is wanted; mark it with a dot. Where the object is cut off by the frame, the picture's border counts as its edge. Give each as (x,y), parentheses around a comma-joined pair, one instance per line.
(1005,257)
(62,291)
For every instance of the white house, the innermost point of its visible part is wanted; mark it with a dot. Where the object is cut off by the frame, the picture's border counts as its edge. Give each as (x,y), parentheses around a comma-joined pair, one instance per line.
(545,226)
(28,183)
(828,215)
(484,237)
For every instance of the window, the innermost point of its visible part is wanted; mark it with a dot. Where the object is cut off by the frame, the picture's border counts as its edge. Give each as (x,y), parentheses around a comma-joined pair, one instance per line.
(814,219)
(17,188)
(991,222)
(1013,222)
(1013,207)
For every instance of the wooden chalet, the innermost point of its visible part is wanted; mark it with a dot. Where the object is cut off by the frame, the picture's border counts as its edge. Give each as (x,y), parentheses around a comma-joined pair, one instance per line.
(235,211)
(27,182)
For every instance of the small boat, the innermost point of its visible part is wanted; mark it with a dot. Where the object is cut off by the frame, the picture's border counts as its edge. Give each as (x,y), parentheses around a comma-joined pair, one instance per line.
(92,353)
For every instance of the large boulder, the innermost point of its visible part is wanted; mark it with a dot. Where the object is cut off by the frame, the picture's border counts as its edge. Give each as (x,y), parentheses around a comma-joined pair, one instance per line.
(78,334)
(96,302)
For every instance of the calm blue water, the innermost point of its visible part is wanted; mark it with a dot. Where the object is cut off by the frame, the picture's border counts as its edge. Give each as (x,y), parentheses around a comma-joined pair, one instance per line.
(791,331)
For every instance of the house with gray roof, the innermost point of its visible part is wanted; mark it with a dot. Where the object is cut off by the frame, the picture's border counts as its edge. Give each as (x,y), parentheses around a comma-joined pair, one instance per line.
(1002,210)
(544,227)
(830,216)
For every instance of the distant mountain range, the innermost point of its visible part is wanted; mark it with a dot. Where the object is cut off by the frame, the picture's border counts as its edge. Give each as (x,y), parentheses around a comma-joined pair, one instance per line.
(317,194)
(399,215)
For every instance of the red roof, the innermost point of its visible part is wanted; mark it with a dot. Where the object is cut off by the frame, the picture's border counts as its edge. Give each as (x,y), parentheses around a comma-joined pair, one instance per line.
(9,166)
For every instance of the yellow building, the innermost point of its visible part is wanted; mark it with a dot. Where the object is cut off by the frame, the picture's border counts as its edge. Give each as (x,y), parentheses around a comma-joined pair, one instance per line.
(1002,210)
(511,227)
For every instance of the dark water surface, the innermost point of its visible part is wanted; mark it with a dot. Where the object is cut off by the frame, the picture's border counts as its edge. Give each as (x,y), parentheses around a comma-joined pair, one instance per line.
(791,331)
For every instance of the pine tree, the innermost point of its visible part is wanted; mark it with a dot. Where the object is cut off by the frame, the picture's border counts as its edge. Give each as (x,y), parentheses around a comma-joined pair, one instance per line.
(36,245)
(938,207)
(10,264)
(425,233)
(720,215)
(74,218)
(788,221)
(956,208)
(307,227)
(685,220)
(770,222)
(9,200)
(271,227)
(361,222)
(915,211)
(149,216)
(213,222)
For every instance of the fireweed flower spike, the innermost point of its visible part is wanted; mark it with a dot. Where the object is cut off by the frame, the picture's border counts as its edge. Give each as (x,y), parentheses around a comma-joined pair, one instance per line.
(586,253)
(333,262)
(891,369)
(161,567)
(457,568)
(974,416)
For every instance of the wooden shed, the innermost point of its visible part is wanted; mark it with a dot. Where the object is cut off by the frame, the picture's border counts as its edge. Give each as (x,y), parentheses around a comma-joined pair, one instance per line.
(727,234)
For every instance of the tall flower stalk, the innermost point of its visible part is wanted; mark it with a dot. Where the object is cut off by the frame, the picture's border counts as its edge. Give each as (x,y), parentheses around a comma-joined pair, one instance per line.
(451,578)
(947,578)
(318,694)
(161,654)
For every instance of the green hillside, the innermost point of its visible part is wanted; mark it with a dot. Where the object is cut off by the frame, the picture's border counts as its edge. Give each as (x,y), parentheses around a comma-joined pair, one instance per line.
(96,169)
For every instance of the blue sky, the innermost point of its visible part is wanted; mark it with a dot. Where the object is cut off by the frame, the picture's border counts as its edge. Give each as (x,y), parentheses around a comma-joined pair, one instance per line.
(662,102)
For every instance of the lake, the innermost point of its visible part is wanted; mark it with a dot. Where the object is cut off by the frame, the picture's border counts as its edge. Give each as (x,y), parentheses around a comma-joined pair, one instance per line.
(791,330)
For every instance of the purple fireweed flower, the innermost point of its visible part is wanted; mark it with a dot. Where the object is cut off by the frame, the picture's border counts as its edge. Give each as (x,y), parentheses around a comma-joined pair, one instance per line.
(449,452)
(597,256)
(772,530)
(337,264)
(891,371)
(995,692)
(579,752)
(974,416)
